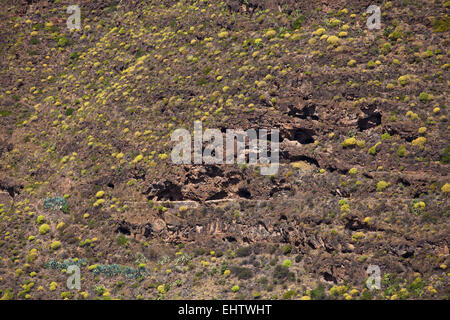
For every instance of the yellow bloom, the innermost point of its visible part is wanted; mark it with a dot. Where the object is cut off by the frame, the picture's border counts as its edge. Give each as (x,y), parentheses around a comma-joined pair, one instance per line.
(100,194)
(222,34)
(270,33)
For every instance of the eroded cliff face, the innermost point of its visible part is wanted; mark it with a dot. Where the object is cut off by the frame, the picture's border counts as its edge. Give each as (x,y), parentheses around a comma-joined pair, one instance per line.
(86,119)
(307,222)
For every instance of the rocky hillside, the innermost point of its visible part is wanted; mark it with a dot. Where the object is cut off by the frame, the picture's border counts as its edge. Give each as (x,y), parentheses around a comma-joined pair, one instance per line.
(86,176)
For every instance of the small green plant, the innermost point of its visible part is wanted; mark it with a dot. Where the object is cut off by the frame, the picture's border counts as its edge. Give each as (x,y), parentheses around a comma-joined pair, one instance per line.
(357,235)
(425,97)
(43,229)
(65,208)
(417,287)
(344,206)
(338,290)
(419,142)
(243,252)
(63,41)
(373,149)
(382,185)
(333,40)
(122,240)
(242,272)
(5,113)
(445,156)
(385,136)
(287,263)
(395,35)
(289,294)
(178,282)
(287,249)
(282,273)
(318,293)
(55,203)
(417,206)
(99,290)
(40,219)
(350,142)
(298,22)
(401,151)
(55,245)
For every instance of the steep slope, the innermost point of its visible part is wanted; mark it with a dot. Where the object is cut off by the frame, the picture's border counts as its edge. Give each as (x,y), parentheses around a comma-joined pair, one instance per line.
(86,118)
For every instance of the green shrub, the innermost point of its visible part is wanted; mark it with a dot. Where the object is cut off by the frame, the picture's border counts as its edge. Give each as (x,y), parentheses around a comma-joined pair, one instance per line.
(371,64)
(100,290)
(417,286)
(401,151)
(282,273)
(425,97)
(298,22)
(243,252)
(287,263)
(441,25)
(385,136)
(122,240)
(43,229)
(55,245)
(63,41)
(318,293)
(242,272)
(5,113)
(287,249)
(381,185)
(395,35)
(445,156)
(403,80)
(373,149)
(350,142)
(8,295)
(289,294)
(40,219)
